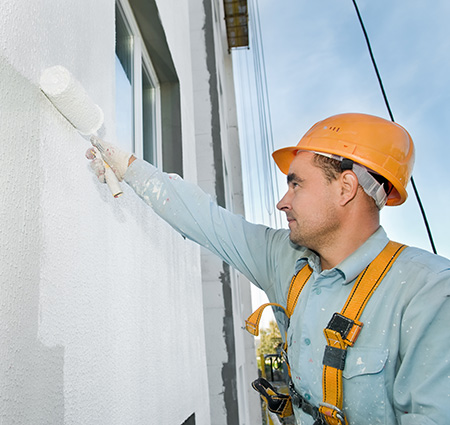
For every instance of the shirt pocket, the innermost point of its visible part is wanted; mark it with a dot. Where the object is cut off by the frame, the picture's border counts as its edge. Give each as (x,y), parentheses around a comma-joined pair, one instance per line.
(365,393)
(364,361)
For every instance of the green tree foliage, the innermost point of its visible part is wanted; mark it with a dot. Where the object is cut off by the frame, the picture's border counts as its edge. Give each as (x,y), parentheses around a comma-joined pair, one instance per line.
(270,338)
(269,351)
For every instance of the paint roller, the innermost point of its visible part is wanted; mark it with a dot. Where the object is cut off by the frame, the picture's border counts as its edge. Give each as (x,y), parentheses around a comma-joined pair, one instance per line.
(71,100)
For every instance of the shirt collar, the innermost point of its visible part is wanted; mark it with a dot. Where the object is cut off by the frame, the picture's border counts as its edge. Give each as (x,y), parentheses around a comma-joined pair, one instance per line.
(309,257)
(356,262)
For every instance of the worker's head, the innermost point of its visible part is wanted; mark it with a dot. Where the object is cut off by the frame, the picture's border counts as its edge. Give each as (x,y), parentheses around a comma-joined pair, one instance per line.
(378,151)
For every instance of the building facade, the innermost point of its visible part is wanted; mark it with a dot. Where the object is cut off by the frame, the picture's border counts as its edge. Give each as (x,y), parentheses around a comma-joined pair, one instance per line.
(109,316)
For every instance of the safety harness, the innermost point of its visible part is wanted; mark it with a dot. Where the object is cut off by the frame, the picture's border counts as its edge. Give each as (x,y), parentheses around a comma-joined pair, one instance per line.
(340,333)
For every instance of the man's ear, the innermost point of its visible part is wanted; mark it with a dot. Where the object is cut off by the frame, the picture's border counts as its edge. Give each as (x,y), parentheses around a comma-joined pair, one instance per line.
(349,186)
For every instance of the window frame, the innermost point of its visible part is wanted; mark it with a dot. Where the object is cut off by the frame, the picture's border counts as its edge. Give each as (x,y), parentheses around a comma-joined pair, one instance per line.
(142,63)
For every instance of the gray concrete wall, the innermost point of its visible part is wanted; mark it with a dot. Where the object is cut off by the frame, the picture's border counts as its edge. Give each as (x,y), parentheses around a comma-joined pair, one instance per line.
(226,293)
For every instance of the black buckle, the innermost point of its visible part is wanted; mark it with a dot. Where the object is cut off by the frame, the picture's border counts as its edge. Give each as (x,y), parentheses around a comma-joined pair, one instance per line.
(341,324)
(334,357)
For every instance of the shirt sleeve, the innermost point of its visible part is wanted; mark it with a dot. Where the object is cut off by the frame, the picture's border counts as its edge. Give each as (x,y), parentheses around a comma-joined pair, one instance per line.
(422,385)
(248,247)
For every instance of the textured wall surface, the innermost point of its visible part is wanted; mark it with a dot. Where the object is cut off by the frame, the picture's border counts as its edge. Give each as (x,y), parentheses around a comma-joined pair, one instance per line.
(101,304)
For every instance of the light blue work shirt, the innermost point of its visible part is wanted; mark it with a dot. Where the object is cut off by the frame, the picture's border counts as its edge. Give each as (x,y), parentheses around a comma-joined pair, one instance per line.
(398,372)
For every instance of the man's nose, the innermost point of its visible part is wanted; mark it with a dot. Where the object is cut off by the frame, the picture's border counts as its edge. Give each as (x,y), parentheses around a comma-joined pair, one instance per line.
(284,203)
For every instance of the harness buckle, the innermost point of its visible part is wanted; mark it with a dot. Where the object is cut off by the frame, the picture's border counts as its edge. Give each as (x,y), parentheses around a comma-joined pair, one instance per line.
(348,328)
(328,410)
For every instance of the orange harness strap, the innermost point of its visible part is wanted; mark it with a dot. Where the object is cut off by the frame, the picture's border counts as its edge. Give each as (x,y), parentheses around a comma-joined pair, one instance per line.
(342,330)
(297,284)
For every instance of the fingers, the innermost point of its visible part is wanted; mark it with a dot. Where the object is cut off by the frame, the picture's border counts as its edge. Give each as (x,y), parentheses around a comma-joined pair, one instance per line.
(116,158)
(96,163)
(91,153)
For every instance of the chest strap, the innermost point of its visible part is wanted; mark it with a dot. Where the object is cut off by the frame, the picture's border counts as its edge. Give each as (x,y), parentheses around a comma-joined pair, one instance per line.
(342,330)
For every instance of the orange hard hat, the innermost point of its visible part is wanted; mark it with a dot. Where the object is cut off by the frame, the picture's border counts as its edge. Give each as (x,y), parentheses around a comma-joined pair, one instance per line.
(380,145)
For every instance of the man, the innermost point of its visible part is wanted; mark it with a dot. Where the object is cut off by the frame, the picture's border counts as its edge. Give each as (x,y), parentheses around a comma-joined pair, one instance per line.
(341,173)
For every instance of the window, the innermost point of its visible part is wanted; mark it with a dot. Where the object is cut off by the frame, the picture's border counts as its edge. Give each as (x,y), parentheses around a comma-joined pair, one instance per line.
(138,127)
(148,105)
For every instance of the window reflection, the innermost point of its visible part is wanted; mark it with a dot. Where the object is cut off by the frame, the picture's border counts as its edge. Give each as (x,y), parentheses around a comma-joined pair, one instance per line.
(148,117)
(124,83)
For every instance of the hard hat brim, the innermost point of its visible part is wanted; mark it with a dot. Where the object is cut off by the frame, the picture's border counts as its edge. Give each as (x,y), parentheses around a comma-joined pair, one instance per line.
(283,158)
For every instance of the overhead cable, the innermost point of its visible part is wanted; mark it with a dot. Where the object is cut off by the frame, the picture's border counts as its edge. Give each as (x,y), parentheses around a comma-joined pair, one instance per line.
(422,210)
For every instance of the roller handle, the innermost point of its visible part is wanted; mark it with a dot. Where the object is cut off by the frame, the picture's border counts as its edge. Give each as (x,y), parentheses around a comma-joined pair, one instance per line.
(110,178)
(112,181)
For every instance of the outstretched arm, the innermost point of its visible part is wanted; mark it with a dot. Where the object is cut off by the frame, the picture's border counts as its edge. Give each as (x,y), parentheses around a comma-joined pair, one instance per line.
(248,247)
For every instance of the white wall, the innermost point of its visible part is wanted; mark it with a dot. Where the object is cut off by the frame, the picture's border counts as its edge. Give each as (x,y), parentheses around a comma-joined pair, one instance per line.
(92,289)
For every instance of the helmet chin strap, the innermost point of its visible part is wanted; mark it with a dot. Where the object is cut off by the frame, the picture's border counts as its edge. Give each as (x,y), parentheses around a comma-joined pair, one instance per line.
(369,183)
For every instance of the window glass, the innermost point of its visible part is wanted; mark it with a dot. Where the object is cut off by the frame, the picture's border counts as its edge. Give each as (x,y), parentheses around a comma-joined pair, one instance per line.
(124,83)
(148,117)
(139,96)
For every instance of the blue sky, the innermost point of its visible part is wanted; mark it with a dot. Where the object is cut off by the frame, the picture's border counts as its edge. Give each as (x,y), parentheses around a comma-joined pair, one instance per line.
(317,65)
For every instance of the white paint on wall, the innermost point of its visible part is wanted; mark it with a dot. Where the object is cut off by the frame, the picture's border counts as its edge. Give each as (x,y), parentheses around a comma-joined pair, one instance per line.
(101,303)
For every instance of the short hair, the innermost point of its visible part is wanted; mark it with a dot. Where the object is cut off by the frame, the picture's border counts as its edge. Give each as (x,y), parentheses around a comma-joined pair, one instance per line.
(332,169)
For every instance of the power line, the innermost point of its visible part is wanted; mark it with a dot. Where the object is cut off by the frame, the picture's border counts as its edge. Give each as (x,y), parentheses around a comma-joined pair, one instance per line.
(422,210)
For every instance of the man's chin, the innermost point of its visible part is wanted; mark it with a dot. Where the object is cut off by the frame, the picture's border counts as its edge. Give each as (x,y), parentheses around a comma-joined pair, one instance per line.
(294,239)
(298,240)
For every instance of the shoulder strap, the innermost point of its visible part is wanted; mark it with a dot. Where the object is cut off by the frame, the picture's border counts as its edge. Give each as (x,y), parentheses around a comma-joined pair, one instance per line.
(343,330)
(298,282)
